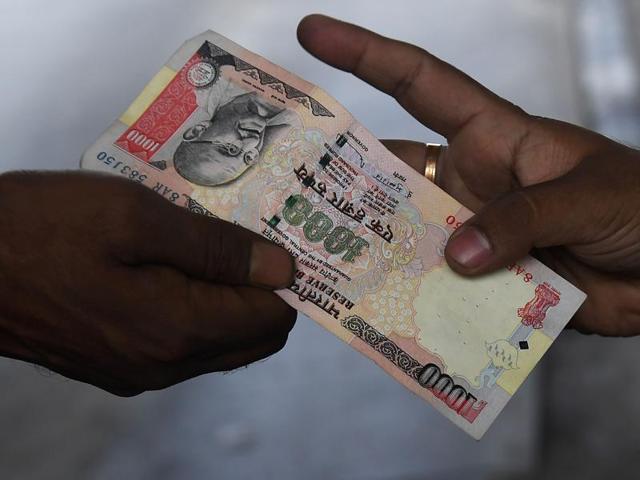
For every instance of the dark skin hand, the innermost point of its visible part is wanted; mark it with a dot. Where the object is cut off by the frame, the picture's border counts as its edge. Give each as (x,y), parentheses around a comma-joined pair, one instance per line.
(535,183)
(104,281)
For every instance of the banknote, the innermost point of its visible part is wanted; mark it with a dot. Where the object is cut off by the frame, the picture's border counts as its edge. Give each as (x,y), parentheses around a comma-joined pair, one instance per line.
(223,132)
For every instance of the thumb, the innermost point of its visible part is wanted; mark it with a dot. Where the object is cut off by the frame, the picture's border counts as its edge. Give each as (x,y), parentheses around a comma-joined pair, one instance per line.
(572,210)
(206,248)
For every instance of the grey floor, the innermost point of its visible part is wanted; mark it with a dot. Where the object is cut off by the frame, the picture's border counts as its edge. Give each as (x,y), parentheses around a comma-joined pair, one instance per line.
(317,409)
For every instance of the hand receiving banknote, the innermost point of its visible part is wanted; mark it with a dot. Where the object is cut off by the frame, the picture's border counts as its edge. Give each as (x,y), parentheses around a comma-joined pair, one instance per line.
(535,182)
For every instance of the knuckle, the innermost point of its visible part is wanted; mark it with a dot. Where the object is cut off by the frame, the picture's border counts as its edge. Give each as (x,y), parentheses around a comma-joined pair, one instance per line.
(226,253)
(527,206)
(283,317)
(11,176)
(405,84)
(279,344)
(146,379)
(125,391)
(157,379)
(289,319)
(199,307)
(183,346)
(148,376)
(169,337)
(516,110)
(126,223)
(126,384)
(214,251)
(170,351)
(165,354)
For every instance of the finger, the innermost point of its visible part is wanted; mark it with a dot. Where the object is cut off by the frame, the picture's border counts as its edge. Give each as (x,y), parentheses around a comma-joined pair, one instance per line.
(206,248)
(600,313)
(195,328)
(415,155)
(192,368)
(578,210)
(239,358)
(76,367)
(448,178)
(226,327)
(227,317)
(208,317)
(437,94)
(411,153)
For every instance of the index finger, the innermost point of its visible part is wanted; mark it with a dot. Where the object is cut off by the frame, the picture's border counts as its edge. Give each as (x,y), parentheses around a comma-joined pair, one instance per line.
(438,95)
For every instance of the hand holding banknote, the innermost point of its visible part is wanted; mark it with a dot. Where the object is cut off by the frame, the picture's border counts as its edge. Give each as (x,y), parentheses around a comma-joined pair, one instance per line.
(105,282)
(535,182)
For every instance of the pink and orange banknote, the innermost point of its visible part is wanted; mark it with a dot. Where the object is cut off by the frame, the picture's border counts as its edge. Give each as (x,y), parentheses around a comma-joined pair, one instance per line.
(224,132)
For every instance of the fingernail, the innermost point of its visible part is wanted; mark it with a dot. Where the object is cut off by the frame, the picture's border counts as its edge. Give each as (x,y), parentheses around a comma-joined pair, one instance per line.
(271,266)
(470,247)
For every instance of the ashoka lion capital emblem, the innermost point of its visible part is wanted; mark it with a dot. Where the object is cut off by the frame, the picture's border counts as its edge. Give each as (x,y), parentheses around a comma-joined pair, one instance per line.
(534,312)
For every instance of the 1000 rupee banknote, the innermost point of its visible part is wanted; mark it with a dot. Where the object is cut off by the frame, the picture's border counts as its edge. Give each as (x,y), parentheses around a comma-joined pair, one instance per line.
(223,132)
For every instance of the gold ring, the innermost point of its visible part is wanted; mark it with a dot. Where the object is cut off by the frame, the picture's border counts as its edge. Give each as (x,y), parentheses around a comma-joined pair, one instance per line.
(433,153)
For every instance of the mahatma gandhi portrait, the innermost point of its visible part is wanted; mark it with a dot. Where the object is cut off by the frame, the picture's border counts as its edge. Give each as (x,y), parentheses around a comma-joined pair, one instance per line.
(221,148)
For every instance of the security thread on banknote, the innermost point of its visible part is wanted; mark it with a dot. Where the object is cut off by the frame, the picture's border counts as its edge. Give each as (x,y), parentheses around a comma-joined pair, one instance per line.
(223,132)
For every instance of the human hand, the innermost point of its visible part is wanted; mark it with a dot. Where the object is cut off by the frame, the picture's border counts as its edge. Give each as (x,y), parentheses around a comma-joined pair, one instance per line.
(105,282)
(535,182)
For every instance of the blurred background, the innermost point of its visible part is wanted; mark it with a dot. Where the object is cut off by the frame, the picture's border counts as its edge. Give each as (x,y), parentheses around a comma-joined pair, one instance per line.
(317,410)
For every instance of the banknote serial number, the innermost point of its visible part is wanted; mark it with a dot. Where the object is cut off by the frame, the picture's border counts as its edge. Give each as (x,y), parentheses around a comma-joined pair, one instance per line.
(121,167)
(318,227)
